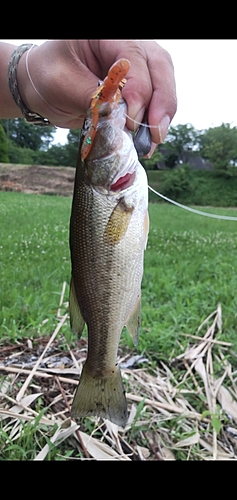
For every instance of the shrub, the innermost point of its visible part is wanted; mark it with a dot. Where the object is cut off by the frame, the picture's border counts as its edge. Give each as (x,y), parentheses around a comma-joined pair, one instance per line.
(179,183)
(3,146)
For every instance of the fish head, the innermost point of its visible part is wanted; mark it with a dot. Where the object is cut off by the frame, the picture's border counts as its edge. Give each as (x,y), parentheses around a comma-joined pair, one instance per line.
(112,161)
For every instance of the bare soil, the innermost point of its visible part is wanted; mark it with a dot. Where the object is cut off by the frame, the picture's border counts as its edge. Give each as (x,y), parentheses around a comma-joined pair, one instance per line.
(37,179)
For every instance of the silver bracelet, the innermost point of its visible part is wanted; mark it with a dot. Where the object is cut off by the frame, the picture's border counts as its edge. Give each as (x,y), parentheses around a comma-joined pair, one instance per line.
(30,116)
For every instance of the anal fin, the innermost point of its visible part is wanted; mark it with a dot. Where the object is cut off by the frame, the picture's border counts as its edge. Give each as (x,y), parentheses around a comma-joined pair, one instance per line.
(133,323)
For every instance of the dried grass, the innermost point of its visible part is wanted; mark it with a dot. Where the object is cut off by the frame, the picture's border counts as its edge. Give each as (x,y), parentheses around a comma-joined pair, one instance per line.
(183,409)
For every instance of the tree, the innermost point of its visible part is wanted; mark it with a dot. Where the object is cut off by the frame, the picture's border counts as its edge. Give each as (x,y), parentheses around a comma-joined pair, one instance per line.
(181,141)
(153,162)
(72,146)
(60,155)
(26,135)
(55,156)
(21,156)
(219,146)
(3,146)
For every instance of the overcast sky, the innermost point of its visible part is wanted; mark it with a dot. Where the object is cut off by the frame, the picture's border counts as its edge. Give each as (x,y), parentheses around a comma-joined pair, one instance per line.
(206,79)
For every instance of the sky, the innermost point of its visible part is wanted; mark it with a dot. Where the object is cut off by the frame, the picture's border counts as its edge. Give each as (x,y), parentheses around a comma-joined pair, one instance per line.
(206,81)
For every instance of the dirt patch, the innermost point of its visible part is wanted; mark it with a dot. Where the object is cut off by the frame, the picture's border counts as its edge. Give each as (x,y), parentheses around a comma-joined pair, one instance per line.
(37,179)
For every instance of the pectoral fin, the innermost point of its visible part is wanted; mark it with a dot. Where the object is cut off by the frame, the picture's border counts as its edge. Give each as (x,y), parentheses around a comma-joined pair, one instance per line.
(133,323)
(118,223)
(76,320)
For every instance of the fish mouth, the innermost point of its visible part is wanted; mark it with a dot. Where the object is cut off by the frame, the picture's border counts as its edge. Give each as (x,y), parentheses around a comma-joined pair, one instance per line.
(123,182)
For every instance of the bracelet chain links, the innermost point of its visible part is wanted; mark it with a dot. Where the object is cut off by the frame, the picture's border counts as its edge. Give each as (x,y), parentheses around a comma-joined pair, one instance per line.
(30,116)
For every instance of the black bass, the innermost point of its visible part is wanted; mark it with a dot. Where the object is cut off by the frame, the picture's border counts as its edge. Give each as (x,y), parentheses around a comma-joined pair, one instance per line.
(108,234)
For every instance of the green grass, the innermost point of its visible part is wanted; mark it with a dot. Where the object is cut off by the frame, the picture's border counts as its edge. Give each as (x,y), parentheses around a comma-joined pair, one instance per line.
(190,266)
(34,261)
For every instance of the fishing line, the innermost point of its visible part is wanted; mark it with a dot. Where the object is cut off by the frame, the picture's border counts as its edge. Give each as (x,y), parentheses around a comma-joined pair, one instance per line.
(198,212)
(141,124)
(55,110)
(29,75)
(64,112)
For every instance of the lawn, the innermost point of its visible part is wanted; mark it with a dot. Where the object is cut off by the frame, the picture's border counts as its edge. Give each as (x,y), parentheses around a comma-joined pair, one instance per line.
(34,261)
(190,267)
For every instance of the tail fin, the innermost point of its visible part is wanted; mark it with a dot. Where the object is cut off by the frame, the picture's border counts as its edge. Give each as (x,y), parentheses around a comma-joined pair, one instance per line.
(101,396)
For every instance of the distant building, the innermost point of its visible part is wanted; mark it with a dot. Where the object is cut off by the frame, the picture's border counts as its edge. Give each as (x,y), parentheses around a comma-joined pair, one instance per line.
(193,159)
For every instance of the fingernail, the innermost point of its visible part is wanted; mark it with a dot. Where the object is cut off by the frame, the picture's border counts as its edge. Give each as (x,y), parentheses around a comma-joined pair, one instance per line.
(163,127)
(153,148)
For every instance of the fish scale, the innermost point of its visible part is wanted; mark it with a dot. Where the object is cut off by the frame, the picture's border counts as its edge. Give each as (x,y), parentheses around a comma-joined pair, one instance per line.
(97,303)
(108,233)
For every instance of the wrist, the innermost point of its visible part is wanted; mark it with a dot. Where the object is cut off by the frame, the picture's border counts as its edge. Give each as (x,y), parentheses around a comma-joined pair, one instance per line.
(8,107)
(22,87)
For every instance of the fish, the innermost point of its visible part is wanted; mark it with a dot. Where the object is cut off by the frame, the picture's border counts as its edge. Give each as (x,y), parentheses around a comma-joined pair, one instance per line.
(109,227)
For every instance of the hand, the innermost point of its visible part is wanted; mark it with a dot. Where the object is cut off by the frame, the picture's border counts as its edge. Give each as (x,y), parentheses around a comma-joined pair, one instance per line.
(66,73)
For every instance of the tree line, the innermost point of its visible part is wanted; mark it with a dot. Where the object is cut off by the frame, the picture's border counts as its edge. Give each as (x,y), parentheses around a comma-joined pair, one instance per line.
(22,143)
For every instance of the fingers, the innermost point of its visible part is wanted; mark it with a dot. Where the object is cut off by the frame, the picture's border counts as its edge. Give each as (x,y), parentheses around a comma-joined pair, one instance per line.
(163,104)
(138,89)
(66,74)
(150,81)
(151,85)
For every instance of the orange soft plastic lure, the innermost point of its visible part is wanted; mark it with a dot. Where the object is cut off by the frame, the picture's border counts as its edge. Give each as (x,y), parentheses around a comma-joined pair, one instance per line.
(109,91)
